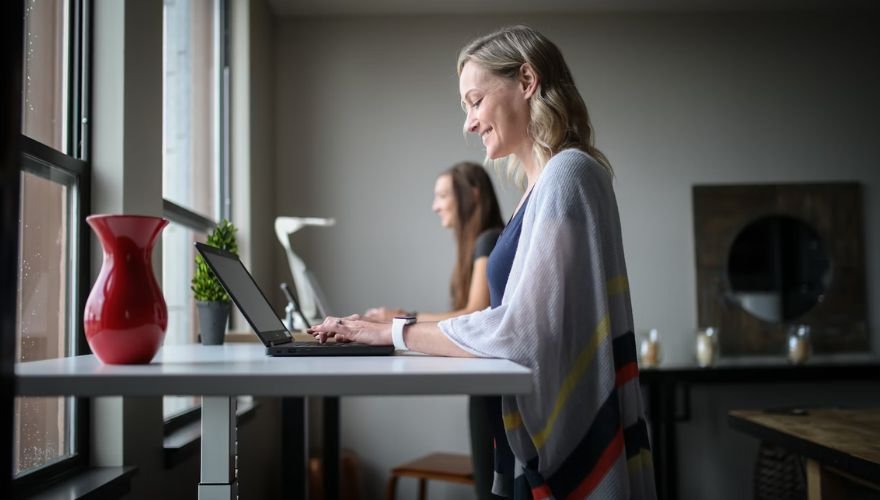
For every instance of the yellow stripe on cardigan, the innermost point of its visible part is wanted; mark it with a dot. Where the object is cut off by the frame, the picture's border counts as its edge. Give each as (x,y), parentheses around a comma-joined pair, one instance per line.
(583,361)
(512,420)
(614,286)
(639,461)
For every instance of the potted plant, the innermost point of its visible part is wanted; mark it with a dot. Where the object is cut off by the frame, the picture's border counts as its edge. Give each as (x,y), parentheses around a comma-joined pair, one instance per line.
(211,298)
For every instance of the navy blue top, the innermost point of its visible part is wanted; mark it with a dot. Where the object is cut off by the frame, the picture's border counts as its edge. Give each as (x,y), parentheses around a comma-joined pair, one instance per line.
(501,258)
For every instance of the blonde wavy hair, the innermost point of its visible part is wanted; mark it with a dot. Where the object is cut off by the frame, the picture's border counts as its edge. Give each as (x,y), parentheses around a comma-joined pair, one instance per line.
(558,116)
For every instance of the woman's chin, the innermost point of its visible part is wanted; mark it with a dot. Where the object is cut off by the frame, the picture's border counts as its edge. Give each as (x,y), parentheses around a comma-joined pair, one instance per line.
(495,153)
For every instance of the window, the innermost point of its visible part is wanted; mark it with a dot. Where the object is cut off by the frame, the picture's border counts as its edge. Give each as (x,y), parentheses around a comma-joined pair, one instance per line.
(50,433)
(194,174)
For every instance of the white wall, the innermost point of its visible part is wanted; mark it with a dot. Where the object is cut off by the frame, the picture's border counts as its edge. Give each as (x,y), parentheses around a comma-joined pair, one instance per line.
(367,114)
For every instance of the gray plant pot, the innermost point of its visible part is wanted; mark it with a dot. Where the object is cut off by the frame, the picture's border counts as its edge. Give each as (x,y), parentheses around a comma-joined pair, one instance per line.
(213,317)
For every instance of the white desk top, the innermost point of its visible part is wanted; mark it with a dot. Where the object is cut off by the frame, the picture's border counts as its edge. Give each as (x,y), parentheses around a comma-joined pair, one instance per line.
(244,369)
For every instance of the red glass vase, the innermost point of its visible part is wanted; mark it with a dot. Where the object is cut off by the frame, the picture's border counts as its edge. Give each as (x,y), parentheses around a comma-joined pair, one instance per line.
(126,316)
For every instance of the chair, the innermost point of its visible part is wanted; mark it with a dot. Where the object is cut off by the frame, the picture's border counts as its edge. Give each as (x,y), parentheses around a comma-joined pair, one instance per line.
(350,469)
(779,474)
(451,467)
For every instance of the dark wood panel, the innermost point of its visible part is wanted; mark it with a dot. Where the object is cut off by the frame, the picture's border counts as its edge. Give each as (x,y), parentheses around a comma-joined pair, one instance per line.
(834,211)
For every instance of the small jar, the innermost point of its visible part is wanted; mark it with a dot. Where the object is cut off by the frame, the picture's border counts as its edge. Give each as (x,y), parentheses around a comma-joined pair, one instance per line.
(649,350)
(707,346)
(799,348)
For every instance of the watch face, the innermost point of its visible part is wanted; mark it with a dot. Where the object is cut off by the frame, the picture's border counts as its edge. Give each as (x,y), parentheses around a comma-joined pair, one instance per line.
(408,319)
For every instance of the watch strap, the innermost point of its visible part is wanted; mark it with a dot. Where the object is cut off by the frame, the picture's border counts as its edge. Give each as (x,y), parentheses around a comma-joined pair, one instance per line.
(397,326)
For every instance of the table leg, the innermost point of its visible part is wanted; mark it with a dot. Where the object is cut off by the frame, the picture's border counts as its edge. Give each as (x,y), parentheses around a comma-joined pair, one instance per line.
(294,448)
(219,459)
(331,448)
(670,457)
(655,417)
(661,408)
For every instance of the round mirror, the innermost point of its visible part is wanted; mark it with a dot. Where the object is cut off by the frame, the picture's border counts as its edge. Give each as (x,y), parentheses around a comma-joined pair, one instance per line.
(778,268)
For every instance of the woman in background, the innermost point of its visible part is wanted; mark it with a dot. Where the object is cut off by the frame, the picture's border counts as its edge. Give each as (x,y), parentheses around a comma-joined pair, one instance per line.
(465,201)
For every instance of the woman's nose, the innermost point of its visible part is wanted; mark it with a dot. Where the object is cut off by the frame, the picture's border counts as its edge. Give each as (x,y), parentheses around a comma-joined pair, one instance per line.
(470,123)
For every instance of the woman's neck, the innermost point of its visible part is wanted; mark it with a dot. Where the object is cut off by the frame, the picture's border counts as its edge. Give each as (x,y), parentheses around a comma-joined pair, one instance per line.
(531,168)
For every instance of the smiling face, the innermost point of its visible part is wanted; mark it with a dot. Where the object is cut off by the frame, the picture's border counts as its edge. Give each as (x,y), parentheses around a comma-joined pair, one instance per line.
(444,201)
(497,110)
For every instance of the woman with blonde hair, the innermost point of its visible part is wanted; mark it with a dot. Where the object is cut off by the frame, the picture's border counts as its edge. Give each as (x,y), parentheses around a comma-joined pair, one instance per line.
(559,290)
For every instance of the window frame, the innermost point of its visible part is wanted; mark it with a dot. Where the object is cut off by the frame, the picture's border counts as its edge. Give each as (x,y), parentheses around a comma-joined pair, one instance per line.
(12,22)
(44,161)
(41,160)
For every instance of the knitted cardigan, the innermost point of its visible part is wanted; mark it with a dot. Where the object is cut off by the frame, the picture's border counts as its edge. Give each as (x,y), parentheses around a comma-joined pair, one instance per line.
(566,315)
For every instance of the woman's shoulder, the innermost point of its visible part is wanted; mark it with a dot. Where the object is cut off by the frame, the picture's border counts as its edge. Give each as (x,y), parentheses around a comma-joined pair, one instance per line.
(490,233)
(485,242)
(574,162)
(571,170)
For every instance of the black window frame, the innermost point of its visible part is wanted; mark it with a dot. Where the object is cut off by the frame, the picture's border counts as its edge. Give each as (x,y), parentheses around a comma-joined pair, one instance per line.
(47,162)
(11,29)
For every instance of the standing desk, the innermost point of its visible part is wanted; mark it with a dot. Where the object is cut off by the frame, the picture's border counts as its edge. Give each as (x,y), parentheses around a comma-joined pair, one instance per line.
(220,373)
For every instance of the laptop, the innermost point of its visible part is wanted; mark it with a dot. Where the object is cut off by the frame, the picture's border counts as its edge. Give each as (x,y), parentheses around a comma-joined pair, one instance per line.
(252,303)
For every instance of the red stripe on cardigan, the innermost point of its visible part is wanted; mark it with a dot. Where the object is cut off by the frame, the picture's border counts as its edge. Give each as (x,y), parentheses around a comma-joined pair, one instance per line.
(626,373)
(606,460)
(541,492)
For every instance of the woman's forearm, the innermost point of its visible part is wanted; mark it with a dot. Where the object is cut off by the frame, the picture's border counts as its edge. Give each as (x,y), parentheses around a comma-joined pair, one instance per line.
(434,317)
(426,337)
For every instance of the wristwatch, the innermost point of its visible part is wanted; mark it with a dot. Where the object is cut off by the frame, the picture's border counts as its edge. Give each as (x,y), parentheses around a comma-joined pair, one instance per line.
(397,325)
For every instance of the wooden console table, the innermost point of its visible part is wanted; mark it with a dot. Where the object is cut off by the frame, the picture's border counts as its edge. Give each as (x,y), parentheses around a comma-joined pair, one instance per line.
(841,447)
(668,390)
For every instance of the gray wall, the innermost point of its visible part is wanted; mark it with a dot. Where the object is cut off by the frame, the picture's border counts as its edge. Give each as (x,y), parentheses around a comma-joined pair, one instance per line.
(367,114)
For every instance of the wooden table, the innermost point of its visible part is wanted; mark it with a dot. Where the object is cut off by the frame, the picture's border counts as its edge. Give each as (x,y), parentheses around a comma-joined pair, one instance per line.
(842,447)
(669,404)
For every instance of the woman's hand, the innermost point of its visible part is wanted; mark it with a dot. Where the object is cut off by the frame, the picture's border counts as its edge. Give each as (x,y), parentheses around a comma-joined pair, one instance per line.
(352,329)
(383,314)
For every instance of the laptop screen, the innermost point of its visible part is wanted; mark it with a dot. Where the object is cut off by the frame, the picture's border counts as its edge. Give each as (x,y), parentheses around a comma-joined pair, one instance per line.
(240,285)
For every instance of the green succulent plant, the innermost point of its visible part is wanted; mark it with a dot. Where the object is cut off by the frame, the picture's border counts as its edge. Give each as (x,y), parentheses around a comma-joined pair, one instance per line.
(205,285)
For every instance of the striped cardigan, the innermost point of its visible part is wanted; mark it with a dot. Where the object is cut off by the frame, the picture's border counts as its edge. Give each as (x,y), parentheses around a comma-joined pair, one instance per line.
(566,315)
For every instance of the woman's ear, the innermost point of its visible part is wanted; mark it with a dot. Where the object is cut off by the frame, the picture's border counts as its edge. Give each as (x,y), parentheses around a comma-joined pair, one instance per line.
(528,80)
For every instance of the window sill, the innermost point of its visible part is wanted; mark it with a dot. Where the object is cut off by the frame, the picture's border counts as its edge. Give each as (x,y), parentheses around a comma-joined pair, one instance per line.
(91,484)
(184,442)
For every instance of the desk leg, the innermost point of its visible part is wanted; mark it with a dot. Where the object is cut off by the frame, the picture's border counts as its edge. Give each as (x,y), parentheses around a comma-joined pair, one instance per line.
(331,448)
(654,417)
(661,406)
(219,467)
(294,448)
(670,456)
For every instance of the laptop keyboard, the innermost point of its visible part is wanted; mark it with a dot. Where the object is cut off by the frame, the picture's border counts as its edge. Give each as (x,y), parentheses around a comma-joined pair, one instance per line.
(315,344)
